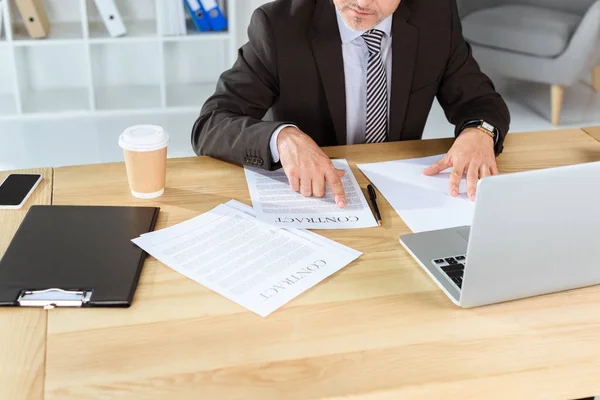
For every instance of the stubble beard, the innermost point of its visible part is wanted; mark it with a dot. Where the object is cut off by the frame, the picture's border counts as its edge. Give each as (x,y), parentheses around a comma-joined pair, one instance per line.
(356,23)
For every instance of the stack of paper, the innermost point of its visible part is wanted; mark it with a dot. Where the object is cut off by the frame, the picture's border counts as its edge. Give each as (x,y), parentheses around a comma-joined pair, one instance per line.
(277,204)
(172,14)
(256,265)
(423,202)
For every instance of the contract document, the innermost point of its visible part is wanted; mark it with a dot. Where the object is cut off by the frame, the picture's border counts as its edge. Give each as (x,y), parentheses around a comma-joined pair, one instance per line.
(274,202)
(254,264)
(423,202)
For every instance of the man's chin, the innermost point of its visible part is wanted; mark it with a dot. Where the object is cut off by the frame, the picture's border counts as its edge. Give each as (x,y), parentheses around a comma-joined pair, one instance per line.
(359,24)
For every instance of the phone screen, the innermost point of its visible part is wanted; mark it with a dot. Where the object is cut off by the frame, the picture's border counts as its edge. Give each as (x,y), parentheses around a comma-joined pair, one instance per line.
(16,187)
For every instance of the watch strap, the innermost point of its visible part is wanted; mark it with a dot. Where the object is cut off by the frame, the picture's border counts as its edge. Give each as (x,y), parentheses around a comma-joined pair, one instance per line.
(481,125)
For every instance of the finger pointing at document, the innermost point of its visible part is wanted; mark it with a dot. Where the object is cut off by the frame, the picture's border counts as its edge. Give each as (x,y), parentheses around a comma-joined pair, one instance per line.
(308,168)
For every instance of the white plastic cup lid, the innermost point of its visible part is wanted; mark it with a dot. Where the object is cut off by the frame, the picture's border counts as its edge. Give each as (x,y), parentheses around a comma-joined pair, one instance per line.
(144,138)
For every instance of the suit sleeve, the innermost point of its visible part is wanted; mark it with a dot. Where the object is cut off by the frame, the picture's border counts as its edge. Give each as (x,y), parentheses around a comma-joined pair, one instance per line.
(465,92)
(230,125)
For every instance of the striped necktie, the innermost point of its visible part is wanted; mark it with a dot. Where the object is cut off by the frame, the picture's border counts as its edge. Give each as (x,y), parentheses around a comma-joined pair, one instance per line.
(377,91)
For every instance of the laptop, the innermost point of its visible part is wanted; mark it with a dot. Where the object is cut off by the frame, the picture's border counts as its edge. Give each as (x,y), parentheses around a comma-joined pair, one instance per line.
(533,233)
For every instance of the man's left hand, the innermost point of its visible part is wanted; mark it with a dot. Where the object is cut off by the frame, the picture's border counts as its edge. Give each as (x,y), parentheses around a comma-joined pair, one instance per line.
(473,154)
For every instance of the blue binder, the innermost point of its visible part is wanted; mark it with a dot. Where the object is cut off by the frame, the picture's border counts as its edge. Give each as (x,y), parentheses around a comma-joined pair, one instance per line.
(198,15)
(217,20)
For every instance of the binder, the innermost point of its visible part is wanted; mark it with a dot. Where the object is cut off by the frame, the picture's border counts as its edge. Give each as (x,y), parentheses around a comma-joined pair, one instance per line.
(176,16)
(34,17)
(111,17)
(173,18)
(75,256)
(167,18)
(198,16)
(179,20)
(215,15)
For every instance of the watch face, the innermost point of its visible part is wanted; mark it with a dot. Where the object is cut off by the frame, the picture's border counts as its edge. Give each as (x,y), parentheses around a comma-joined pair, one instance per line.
(488,127)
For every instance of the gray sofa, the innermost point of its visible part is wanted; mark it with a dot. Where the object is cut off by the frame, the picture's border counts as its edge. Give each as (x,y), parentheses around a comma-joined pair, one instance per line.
(546,41)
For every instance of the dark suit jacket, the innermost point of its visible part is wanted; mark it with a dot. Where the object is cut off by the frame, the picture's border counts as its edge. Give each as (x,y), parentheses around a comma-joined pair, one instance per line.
(292,65)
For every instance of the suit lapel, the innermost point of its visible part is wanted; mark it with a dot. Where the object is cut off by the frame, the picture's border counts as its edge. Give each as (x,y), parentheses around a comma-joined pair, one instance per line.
(327,50)
(404,52)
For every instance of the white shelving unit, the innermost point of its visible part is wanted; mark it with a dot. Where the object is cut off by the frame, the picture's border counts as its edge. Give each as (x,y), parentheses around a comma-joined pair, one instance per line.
(80,69)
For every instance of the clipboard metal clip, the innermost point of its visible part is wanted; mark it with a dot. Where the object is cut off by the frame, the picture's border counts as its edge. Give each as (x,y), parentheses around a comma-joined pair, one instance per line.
(52,298)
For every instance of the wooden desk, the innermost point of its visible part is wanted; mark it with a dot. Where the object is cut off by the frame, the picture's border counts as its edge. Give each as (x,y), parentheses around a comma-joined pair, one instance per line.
(593,131)
(22,331)
(379,329)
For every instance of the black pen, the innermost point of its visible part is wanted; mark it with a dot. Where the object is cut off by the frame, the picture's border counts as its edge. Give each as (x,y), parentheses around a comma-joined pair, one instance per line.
(373,197)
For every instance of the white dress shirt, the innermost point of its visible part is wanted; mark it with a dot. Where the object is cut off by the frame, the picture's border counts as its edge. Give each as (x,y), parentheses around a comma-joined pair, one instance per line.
(356,58)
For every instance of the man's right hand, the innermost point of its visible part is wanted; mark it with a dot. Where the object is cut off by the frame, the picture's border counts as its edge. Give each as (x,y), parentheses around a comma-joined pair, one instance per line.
(308,169)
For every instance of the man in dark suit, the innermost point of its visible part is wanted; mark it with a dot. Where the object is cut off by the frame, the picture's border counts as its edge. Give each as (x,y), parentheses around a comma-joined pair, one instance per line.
(335,72)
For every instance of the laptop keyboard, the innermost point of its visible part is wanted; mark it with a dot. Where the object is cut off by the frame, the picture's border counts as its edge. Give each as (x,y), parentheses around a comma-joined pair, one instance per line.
(453,267)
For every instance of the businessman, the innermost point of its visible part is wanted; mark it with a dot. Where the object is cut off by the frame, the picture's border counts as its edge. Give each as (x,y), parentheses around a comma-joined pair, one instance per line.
(335,72)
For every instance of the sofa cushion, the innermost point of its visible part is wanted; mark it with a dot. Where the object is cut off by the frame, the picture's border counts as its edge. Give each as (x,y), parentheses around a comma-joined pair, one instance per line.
(523,29)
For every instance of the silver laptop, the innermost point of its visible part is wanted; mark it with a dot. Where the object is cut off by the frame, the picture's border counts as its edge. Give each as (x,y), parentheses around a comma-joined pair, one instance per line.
(533,233)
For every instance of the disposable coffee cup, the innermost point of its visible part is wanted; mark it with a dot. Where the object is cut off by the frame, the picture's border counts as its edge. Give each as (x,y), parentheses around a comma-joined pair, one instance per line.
(145,150)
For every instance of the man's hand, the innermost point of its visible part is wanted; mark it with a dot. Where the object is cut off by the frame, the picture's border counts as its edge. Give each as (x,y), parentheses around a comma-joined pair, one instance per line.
(308,169)
(473,154)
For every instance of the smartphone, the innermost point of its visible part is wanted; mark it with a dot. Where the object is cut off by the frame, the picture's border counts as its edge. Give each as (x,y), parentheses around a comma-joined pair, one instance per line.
(16,189)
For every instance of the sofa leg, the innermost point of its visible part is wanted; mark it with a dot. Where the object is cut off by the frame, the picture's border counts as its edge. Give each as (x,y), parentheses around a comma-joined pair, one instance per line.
(596,79)
(557,100)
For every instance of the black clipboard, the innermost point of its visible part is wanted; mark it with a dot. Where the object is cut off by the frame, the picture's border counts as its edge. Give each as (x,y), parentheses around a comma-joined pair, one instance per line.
(75,256)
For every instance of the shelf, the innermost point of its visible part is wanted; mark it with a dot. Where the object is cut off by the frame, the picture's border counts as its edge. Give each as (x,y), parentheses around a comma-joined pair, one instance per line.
(136,30)
(59,31)
(127,97)
(55,100)
(190,75)
(194,34)
(189,95)
(60,85)
(7,104)
(198,36)
(126,75)
(79,69)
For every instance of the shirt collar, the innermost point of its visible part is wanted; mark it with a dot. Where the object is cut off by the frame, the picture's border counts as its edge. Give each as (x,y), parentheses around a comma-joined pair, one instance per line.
(348,35)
